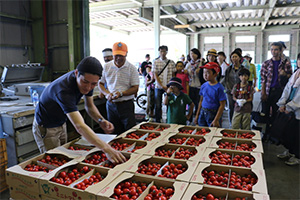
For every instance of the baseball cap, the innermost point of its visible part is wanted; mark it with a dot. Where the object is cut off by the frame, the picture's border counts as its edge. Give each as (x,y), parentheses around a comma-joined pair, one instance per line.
(212,65)
(212,52)
(283,44)
(120,48)
(248,55)
(90,65)
(175,82)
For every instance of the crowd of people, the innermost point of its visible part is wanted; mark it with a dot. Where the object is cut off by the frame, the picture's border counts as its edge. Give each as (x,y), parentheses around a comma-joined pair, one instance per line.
(197,92)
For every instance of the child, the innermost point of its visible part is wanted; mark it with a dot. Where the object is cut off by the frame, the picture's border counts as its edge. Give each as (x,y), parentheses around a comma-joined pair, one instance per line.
(176,102)
(180,73)
(149,79)
(242,94)
(212,98)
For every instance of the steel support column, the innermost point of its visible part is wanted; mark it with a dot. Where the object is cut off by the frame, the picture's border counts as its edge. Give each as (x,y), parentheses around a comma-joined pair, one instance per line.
(156,20)
(71,31)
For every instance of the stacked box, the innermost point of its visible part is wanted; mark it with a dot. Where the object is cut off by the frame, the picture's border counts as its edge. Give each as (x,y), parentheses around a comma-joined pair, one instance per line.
(132,146)
(155,126)
(3,164)
(195,130)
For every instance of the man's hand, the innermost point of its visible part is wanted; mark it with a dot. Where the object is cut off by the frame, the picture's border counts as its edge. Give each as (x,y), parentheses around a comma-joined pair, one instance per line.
(282,109)
(107,126)
(101,95)
(282,72)
(196,120)
(113,155)
(169,90)
(116,95)
(109,96)
(215,124)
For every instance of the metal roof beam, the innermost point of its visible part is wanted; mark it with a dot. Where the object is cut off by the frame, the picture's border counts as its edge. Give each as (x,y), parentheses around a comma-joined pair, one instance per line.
(268,13)
(111,28)
(170,10)
(201,22)
(105,6)
(92,21)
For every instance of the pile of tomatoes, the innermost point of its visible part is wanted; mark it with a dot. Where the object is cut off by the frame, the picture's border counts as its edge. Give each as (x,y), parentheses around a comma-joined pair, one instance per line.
(149,168)
(136,136)
(186,131)
(185,153)
(164,153)
(172,171)
(53,160)
(120,146)
(161,128)
(137,147)
(129,190)
(96,158)
(245,147)
(239,182)
(230,135)
(161,193)
(242,161)
(148,127)
(35,168)
(227,145)
(206,197)
(245,135)
(220,158)
(109,164)
(66,178)
(195,142)
(177,140)
(96,178)
(214,178)
(202,131)
(152,136)
(78,148)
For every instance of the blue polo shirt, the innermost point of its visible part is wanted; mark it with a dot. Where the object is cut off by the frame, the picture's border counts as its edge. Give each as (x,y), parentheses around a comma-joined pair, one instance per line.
(58,99)
(212,95)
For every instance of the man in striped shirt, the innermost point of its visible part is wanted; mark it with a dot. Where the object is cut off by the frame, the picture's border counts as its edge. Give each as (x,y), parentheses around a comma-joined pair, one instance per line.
(122,81)
(162,76)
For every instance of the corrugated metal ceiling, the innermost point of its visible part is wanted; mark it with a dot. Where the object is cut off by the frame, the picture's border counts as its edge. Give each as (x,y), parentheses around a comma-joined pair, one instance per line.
(124,15)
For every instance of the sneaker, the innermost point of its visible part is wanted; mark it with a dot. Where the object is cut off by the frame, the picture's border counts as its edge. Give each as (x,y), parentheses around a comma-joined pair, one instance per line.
(285,154)
(293,161)
(151,119)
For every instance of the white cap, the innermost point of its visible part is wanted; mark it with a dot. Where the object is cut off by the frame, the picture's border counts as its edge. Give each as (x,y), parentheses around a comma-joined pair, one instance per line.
(248,55)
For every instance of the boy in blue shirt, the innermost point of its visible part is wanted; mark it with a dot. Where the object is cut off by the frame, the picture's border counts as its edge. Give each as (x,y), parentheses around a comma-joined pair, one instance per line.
(212,98)
(177,102)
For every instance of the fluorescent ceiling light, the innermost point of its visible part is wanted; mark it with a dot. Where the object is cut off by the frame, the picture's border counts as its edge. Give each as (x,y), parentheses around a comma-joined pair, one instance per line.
(241,11)
(224,1)
(241,24)
(167,16)
(182,26)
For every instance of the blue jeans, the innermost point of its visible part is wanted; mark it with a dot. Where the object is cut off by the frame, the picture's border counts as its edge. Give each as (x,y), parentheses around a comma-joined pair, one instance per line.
(207,116)
(158,103)
(121,115)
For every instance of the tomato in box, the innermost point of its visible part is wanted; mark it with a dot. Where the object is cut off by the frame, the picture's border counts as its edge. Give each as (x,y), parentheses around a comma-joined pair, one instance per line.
(68,177)
(172,171)
(149,168)
(35,168)
(206,197)
(96,158)
(129,190)
(164,152)
(195,142)
(161,193)
(93,179)
(227,145)
(220,158)
(213,177)
(242,182)
(202,131)
(185,153)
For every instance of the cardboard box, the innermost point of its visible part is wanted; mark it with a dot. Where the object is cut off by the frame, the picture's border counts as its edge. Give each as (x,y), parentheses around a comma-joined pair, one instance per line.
(256,134)
(259,187)
(258,164)
(144,134)
(215,141)
(179,187)
(133,144)
(156,126)
(17,177)
(195,129)
(17,193)
(132,157)
(196,137)
(220,193)
(185,176)
(175,147)
(52,189)
(75,153)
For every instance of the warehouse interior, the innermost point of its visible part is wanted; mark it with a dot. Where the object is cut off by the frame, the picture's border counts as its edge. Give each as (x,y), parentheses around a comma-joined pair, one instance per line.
(56,35)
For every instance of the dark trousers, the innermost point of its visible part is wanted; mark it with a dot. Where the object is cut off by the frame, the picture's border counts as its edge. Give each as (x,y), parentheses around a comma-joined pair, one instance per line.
(158,103)
(121,114)
(274,96)
(194,95)
(230,104)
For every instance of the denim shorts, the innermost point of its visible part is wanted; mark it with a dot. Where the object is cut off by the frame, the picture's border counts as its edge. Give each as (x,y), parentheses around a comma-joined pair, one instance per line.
(206,116)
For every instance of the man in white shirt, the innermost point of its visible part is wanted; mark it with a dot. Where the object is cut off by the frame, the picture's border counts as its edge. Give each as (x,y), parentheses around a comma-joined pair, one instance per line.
(162,77)
(122,81)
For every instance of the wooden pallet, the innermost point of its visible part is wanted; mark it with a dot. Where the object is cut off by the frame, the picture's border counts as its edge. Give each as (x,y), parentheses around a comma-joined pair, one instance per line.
(3,185)
(3,153)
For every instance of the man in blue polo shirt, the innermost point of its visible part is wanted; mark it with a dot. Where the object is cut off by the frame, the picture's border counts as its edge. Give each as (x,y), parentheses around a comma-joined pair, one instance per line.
(58,103)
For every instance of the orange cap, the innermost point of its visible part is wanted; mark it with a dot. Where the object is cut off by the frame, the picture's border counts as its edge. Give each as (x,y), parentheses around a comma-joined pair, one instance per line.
(120,48)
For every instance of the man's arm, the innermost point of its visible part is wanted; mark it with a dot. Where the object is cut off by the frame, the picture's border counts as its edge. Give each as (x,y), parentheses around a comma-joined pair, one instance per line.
(84,130)
(94,113)
(263,80)
(159,81)
(104,91)
(132,90)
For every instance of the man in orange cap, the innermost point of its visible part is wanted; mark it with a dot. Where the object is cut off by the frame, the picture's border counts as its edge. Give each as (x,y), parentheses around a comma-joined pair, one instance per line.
(122,81)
